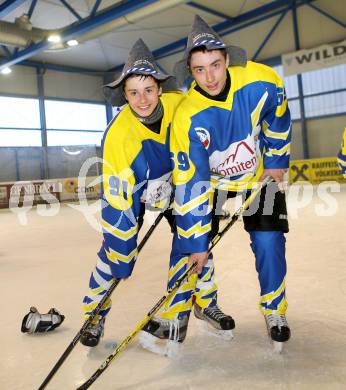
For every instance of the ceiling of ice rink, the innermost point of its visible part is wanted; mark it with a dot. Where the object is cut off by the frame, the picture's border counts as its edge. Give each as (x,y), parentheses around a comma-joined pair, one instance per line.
(107,29)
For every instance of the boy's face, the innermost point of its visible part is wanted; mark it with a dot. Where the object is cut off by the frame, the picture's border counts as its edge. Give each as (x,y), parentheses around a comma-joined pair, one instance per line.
(209,69)
(142,94)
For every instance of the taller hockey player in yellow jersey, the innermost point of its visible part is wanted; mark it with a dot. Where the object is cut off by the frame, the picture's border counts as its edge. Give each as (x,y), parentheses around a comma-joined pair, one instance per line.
(232,130)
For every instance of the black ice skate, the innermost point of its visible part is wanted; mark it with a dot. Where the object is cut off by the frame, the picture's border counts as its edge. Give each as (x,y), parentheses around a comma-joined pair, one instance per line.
(219,323)
(93,333)
(278,329)
(172,332)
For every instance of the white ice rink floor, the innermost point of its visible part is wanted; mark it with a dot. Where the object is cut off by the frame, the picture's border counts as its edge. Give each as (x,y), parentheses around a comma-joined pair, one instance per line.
(47,262)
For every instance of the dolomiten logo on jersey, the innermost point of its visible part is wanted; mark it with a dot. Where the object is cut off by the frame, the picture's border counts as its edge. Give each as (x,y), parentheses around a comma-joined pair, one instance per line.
(238,159)
(204,136)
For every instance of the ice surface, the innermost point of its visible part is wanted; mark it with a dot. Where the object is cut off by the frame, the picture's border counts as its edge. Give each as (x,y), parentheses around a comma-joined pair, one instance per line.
(47,263)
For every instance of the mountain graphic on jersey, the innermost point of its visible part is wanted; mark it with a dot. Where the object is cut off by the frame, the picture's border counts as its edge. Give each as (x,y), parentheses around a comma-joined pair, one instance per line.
(239,158)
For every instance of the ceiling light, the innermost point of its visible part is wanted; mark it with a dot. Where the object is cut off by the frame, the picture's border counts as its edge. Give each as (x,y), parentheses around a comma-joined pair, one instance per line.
(54,38)
(6,71)
(72,42)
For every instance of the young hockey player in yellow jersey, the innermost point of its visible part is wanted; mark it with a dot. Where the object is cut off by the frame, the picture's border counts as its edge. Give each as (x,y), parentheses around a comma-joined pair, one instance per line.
(232,130)
(136,170)
(342,155)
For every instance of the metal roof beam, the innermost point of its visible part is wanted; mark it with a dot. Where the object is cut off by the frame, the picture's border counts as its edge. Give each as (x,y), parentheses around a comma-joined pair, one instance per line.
(73,31)
(267,38)
(71,9)
(8,6)
(61,68)
(295,25)
(95,7)
(251,23)
(247,16)
(208,10)
(304,130)
(327,15)
(31,9)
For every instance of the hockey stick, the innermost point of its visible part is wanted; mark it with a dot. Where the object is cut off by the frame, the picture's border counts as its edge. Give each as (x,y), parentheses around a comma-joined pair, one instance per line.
(140,325)
(97,309)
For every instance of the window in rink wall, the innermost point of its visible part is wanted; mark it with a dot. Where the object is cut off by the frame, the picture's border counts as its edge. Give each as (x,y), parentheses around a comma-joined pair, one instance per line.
(86,120)
(324,91)
(19,122)
(20,137)
(317,83)
(63,138)
(326,104)
(324,80)
(19,112)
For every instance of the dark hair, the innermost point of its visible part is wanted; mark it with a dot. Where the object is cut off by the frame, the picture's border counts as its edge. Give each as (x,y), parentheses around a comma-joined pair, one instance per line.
(203,49)
(142,76)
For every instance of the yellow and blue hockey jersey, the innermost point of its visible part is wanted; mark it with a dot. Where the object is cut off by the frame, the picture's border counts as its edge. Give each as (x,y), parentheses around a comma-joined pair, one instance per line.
(236,139)
(136,168)
(342,155)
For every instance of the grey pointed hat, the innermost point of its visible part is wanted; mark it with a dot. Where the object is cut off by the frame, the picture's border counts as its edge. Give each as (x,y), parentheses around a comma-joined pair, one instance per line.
(203,35)
(140,61)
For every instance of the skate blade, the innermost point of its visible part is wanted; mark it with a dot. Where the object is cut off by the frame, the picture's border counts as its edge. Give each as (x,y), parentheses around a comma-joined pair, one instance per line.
(226,335)
(277,346)
(168,348)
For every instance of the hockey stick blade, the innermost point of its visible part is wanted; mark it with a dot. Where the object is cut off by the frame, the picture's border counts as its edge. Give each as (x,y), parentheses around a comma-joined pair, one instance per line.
(95,312)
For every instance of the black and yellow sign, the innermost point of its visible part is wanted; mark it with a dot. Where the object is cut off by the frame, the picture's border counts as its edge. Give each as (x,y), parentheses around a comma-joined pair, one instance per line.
(315,170)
